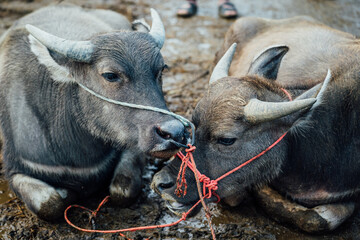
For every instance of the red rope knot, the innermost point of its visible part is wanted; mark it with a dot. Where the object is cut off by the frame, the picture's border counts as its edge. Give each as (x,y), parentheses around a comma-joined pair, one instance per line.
(190,149)
(94,213)
(212,185)
(204,179)
(208,185)
(184,215)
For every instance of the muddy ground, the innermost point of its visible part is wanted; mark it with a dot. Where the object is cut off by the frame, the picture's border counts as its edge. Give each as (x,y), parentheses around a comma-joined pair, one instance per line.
(189,51)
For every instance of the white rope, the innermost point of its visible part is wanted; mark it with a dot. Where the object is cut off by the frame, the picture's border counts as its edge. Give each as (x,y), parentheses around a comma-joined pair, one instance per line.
(183,120)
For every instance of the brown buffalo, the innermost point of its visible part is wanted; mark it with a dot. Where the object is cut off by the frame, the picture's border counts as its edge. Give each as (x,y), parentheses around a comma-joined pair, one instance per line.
(316,166)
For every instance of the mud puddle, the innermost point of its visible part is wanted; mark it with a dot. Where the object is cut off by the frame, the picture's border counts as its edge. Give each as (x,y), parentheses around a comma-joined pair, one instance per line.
(189,50)
(5,193)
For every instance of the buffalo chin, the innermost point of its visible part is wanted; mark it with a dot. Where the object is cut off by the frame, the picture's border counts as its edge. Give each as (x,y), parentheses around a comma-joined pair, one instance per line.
(179,209)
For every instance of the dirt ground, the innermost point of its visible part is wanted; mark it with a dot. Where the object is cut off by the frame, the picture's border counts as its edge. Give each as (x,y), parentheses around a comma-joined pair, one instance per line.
(189,51)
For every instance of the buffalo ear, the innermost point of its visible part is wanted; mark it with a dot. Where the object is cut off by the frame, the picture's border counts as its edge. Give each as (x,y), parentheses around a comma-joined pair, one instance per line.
(268,62)
(58,72)
(140,25)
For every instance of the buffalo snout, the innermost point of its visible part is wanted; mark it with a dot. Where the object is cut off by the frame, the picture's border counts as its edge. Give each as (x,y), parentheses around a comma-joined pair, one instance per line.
(164,184)
(171,130)
(162,181)
(161,139)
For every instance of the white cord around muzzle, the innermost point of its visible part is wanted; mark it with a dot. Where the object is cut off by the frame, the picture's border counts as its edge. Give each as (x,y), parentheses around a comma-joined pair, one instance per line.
(183,120)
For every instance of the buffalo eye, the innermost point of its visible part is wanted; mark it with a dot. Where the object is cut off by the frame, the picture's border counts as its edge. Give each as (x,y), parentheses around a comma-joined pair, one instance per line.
(111,77)
(164,68)
(226,141)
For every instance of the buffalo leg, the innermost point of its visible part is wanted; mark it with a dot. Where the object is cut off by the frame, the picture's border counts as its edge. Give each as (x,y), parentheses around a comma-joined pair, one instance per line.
(41,198)
(126,183)
(321,218)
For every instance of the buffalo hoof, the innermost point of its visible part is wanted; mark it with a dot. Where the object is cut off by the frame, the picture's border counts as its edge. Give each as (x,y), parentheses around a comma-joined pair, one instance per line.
(321,218)
(40,198)
(126,183)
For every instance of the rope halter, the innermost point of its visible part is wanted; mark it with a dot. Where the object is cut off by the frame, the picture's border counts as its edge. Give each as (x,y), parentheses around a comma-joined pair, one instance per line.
(183,120)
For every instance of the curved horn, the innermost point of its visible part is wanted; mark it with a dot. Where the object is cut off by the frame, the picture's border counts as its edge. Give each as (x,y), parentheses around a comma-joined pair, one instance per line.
(77,50)
(257,111)
(324,86)
(157,30)
(221,69)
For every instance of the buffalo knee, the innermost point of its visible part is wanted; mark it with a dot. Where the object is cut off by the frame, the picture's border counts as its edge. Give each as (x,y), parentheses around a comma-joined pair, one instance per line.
(41,198)
(126,183)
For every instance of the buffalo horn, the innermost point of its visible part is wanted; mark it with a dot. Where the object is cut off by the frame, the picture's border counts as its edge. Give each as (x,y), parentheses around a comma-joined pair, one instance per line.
(77,50)
(221,69)
(257,111)
(157,30)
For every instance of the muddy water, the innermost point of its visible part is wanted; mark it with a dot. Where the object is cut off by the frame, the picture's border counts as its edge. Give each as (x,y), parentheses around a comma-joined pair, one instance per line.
(5,193)
(189,51)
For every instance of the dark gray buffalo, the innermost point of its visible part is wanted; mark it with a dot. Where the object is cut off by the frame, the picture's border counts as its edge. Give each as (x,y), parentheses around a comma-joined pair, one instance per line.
(59,141)
(317,164)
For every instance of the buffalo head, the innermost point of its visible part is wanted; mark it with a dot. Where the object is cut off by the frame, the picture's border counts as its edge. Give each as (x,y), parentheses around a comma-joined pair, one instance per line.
(123,66)
(236,120)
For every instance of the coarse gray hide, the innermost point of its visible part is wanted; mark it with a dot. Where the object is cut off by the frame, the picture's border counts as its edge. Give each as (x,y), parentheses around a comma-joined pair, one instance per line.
(61,142)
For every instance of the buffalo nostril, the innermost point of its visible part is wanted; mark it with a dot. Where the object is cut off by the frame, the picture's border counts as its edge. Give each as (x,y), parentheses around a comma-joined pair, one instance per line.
(162,181)
(162,186)
(162,133)
(173,129)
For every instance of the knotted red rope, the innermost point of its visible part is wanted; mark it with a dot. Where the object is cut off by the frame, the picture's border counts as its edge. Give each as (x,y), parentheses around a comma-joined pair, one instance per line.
(181,181)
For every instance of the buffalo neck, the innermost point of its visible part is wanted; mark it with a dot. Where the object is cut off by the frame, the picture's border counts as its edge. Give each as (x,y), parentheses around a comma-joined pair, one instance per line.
(323,143)
(68,141)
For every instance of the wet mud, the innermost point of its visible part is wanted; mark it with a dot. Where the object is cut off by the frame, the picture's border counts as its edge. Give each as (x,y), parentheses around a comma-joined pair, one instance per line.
(189,51)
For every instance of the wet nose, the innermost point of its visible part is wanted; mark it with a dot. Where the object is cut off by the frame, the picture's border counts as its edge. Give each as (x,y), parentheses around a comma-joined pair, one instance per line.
(173,129)
(161,181)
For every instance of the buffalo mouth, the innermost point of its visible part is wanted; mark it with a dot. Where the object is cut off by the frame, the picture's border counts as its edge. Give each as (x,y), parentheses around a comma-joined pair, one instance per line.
(164,151)
(179,208)
(165,154)
(176,207)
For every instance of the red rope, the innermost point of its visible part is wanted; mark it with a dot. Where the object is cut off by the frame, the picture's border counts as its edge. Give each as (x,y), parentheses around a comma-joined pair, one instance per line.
(198,184)
(287,93)
(93,213)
